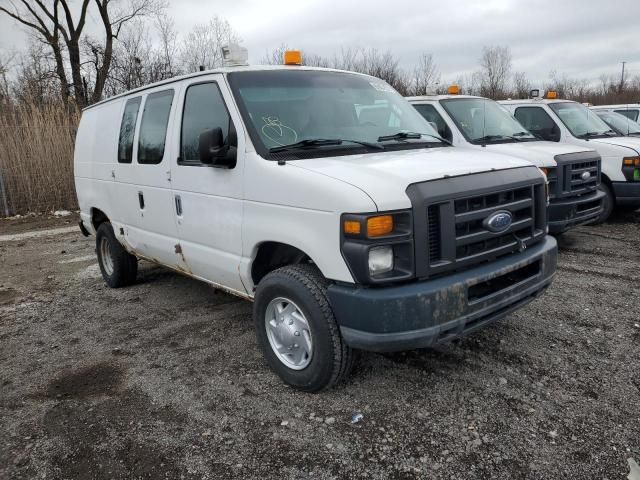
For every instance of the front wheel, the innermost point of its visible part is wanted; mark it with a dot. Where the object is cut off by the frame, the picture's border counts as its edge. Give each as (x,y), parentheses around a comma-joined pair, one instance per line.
(297,331)
(119,268)
(608,202)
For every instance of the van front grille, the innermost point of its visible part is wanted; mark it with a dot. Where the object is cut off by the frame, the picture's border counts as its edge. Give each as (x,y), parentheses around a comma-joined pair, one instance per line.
(455,228)
(576,175)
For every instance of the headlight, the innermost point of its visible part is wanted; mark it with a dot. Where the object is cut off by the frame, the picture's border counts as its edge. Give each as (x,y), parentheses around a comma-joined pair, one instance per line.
(378,247)
(380,260)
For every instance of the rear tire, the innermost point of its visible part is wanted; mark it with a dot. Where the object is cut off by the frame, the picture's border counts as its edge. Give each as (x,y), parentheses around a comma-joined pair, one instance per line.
(119,268)
(297,331)
(608,202)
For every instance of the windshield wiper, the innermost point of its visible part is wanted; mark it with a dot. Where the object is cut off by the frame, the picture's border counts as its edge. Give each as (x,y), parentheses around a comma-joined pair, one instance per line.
(321,142)
(411,135)
(592,134)
(488,138)
(522,134)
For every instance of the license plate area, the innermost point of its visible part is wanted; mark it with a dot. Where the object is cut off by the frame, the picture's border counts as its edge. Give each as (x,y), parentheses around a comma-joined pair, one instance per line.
(494,285)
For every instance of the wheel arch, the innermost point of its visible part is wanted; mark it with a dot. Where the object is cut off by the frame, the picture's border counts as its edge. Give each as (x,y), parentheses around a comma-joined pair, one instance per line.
(98,217)
(271,255)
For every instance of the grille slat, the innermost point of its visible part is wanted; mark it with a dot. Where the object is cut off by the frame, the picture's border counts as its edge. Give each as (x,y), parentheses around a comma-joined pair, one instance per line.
(482,213)
(433,222)
(487,235)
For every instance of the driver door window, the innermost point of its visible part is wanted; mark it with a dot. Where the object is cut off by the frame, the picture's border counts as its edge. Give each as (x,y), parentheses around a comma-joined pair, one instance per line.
(204,109)
(432,116)
(538,122)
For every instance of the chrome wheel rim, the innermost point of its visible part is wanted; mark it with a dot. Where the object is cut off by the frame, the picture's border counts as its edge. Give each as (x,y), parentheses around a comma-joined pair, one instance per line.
(288,333)
(105,255)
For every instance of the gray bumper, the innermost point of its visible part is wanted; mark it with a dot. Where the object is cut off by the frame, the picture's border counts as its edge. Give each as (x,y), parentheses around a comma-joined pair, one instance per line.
(564,214)
(420,314)
(627,193)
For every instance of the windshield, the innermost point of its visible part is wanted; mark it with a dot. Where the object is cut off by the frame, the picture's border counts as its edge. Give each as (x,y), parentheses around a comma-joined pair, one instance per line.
(620,123)
(484,121)
(580,121)
(297,108)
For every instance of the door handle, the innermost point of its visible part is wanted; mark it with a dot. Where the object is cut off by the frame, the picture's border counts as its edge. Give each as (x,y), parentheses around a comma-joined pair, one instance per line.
(178,205)
(141,200)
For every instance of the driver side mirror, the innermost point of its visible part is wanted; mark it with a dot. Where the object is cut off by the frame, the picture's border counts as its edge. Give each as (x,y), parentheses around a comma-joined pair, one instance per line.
(554,135)
(213,150)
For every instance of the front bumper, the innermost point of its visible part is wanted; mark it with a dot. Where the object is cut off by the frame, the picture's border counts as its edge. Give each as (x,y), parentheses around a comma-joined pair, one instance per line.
(566,213)
(627,193)
(423,313)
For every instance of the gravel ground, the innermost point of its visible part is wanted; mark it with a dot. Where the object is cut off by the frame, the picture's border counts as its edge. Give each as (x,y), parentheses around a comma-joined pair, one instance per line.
(164,379)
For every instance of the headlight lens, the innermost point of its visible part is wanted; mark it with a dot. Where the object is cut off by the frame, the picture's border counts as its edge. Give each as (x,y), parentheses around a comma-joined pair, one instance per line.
(380,260)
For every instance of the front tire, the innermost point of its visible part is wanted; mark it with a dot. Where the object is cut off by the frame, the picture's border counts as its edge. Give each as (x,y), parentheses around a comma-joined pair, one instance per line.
(608,202)
(119,268)
(297,331)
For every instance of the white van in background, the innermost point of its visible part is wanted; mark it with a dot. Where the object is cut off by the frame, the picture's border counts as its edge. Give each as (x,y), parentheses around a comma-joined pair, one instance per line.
(348,230)
(571,122)
(629,110)
(476,122)
(619,123)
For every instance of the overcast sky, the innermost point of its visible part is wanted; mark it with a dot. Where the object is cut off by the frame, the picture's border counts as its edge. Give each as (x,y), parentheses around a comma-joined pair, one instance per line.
(582,38)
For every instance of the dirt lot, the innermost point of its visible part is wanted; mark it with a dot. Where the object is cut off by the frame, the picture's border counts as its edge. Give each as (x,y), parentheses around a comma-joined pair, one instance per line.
(164,379)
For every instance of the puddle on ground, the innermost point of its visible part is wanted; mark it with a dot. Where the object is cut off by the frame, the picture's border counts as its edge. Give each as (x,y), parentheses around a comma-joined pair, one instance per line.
(92,381)
(7,295)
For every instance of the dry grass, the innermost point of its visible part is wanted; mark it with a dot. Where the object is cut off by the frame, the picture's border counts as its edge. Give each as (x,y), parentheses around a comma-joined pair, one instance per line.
(36,157)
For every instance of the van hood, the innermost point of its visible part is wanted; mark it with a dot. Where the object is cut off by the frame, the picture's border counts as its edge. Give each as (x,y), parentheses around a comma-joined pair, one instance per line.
(385,176)
(541,154)
(629,142)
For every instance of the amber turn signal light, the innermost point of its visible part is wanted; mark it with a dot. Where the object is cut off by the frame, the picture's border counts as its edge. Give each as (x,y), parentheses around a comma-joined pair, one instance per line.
(351,227)
(379,226)
(631,162)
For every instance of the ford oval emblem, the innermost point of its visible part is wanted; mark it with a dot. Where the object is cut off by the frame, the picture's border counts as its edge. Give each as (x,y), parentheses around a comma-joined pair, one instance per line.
(498,221)
(585,176)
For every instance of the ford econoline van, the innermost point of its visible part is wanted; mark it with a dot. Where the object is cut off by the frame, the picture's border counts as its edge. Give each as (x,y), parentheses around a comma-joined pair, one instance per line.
(571,122)
(476,122)
(323,197)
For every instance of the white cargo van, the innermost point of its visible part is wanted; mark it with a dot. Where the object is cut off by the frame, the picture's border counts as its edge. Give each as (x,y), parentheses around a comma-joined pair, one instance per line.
(477,122)
(629,110)
(321,195)
(619,123)
(571,122)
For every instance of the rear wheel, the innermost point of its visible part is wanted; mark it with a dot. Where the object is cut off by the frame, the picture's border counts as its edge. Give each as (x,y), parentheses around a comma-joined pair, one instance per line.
(608,202)
(297,331)
(119,268)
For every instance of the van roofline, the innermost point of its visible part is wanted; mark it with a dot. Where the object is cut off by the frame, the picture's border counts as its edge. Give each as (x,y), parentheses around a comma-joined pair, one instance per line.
(619,105)
(545,101)
(440,97)
(219,70)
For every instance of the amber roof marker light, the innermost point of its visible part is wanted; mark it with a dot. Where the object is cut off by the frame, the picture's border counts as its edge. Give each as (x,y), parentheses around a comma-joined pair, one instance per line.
(293,57)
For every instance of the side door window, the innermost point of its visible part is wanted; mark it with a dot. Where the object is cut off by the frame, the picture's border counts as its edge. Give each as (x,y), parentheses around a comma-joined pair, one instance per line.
(538,122)
(204,110)
(153,129)
(632,114)
(127,130)
(432,116)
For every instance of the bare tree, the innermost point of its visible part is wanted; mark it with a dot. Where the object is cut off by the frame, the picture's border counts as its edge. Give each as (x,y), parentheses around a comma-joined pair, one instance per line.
(35,79)
(495,70)
(425,75)
(276,56)
(521,85)
(56,26)
(202,46)
(5,64)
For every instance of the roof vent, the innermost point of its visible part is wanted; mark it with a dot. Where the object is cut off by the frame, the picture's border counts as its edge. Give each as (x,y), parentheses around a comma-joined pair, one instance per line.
(234,55)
